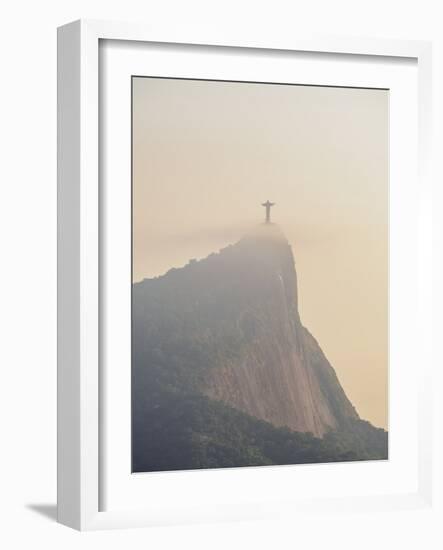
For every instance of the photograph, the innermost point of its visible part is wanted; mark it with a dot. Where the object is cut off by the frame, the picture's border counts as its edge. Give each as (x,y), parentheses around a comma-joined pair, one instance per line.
(260,274)
(223,255)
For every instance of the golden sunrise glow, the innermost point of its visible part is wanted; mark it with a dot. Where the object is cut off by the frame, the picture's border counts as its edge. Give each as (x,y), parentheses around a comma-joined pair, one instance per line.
(207,154)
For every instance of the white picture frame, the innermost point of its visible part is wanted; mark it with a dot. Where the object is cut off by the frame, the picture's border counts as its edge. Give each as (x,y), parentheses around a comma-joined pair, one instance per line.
(80,412)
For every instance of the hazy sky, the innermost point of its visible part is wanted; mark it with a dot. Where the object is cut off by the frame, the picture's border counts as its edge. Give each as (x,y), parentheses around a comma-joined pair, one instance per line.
(206,154)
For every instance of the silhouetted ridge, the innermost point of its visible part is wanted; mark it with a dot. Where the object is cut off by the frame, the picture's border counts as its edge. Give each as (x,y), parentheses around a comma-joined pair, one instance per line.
(227,329)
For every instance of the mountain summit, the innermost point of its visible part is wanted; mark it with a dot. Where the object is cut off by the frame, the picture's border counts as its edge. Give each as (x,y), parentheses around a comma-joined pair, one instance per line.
(225,332)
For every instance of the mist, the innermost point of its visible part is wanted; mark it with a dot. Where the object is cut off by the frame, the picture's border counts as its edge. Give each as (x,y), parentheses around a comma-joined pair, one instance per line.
(207,154)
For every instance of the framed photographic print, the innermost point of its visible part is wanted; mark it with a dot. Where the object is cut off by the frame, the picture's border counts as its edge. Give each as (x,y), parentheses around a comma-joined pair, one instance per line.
(242,229)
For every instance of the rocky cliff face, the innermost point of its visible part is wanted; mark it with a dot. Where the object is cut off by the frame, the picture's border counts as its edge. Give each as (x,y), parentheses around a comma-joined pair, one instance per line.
(228,327)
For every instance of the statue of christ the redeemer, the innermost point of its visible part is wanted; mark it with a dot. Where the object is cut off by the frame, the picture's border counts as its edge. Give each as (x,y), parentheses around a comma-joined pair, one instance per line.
(268,206)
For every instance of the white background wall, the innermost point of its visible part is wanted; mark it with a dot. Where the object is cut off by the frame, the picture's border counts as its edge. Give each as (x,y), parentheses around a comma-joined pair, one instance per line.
(28,266)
